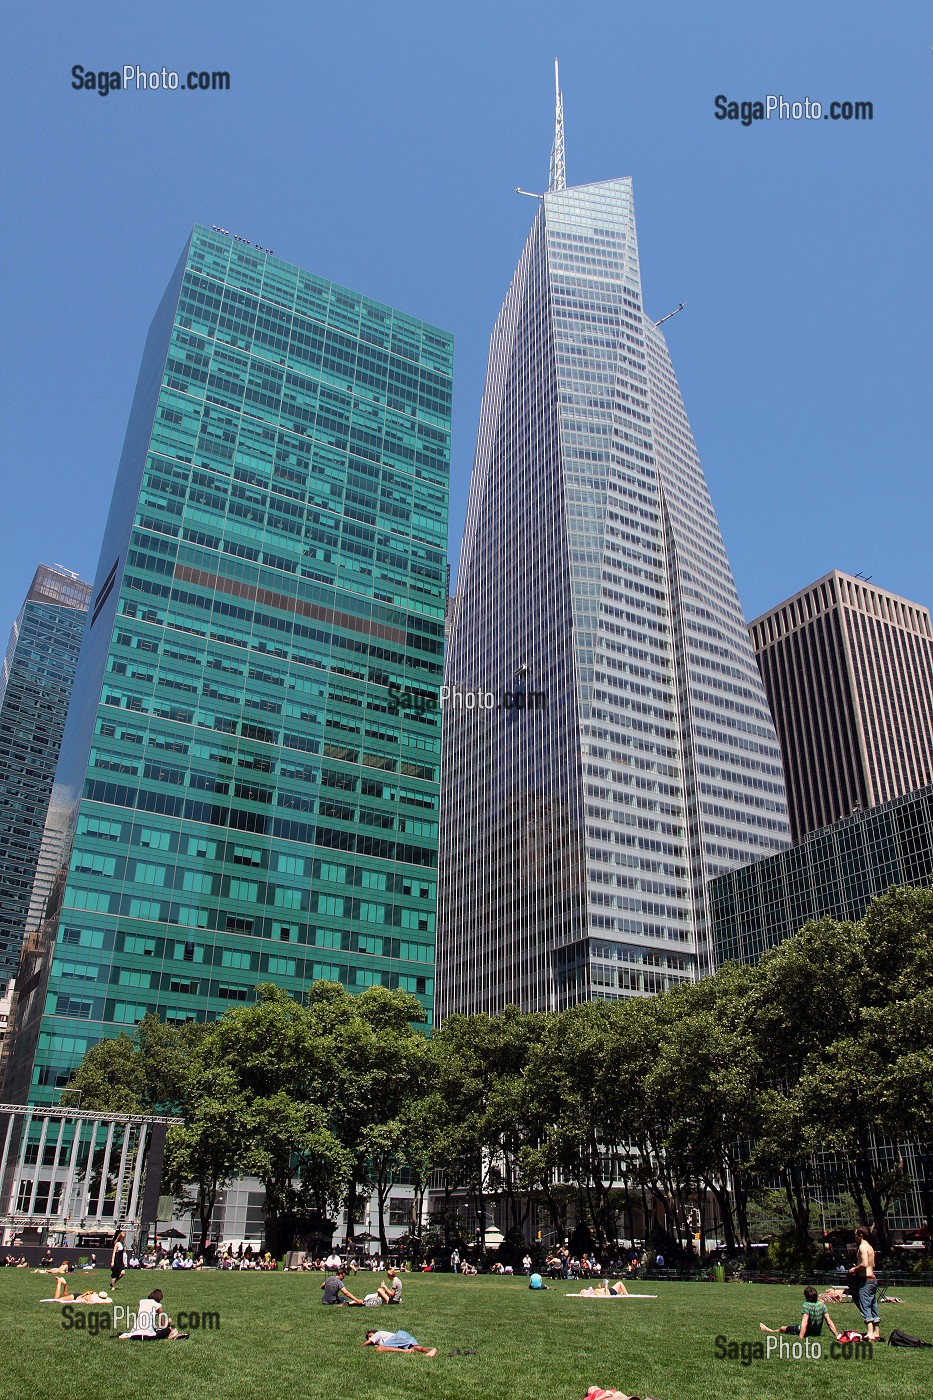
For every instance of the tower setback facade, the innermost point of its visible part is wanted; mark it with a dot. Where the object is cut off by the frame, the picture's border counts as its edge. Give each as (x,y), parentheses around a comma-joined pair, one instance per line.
(607,743)
(240,797)
(35,689)
(848,671)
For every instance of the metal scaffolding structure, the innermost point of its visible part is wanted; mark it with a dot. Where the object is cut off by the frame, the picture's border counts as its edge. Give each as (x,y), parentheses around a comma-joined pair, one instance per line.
(73,1171)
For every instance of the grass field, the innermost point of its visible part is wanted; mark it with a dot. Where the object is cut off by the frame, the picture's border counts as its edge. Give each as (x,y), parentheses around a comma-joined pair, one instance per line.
(275,1340)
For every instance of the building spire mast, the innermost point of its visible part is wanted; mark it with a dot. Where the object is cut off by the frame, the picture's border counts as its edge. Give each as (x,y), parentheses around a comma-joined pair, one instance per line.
(558,180)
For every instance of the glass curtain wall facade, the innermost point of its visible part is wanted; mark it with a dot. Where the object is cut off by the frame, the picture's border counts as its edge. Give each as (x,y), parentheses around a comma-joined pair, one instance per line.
(607,745)
(833,874)
(239,798)
(35,688)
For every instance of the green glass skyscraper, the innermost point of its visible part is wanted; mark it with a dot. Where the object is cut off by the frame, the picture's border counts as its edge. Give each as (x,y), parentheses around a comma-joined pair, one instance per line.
(240,798)
(36,676)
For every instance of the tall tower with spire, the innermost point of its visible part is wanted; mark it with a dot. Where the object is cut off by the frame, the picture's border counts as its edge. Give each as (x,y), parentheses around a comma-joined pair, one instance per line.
(607,743)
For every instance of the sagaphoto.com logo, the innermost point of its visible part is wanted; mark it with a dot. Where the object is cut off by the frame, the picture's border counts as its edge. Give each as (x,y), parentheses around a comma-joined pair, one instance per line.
(123,1319)
(790,1348)
(415,703)
(131,77)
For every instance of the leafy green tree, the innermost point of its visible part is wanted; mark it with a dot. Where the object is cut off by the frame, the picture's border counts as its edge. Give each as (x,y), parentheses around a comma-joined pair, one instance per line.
(376,1065)
(111,1077)
(206,1149)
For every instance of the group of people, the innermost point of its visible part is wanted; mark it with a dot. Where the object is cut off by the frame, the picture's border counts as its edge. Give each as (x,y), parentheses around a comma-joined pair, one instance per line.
(862,1289)
(247,1258)
(335,1292)
(560,1263)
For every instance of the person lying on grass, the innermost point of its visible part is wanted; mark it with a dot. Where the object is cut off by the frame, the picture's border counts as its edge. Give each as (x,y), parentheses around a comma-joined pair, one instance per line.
(395,1341)
(812,1317)
(605,1289)
(62,1294)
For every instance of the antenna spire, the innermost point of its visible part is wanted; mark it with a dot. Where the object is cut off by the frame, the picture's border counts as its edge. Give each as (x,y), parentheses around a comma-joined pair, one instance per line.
(558,180)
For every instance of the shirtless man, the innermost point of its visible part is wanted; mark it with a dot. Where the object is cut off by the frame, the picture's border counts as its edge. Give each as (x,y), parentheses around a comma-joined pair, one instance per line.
(864,1284)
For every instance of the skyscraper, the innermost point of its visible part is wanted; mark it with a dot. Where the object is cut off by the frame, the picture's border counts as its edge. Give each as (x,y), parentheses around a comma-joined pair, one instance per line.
(35,688)
(607,744)
(833,873)
(848,671)
(241,797)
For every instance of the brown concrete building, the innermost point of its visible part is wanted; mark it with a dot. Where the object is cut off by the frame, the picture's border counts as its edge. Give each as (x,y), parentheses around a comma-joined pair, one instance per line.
(848,671)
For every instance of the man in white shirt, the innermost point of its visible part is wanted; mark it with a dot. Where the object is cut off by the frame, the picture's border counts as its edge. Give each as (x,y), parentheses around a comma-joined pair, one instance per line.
(396,1341)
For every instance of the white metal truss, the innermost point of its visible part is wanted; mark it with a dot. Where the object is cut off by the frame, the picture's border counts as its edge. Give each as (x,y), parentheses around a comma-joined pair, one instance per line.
(70,1169)
(558,180)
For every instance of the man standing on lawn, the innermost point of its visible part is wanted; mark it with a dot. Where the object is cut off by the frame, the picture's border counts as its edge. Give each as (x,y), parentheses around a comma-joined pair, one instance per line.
(864,1284)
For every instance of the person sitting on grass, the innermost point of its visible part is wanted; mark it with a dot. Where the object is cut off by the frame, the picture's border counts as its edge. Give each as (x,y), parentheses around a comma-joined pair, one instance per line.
(391,1290)
(812,1317)
(395,1341)
(152,1325)
(333,1291)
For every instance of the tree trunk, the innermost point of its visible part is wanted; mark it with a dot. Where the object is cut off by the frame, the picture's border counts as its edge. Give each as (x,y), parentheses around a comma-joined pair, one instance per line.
(350,1206)
(383,1237)
(207,1199)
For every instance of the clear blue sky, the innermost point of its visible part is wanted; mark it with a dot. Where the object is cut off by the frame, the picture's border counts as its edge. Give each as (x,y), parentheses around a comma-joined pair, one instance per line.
(379,145)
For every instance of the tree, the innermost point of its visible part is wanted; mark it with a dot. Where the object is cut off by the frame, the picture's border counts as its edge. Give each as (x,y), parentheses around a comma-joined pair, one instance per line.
(205,1149)
(111,1077)
(274,1075)
(148,1072)
(376,1065)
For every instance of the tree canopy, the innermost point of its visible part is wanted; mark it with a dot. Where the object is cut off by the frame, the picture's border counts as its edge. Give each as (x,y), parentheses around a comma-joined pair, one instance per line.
(781,1078)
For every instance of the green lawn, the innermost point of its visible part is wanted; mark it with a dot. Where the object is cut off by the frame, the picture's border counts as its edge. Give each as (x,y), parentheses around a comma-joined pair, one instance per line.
(275,1340)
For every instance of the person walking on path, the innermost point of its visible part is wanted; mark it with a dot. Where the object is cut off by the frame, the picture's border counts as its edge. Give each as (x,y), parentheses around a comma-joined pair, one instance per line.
(118,1258)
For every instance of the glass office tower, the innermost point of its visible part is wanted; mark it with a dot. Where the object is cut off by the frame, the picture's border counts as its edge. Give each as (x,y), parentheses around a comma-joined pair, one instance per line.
(608,746)
(240,796)
(833,873)
(35,688)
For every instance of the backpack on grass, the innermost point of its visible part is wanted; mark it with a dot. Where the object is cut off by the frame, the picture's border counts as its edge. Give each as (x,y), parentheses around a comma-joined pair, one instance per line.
(904,1339)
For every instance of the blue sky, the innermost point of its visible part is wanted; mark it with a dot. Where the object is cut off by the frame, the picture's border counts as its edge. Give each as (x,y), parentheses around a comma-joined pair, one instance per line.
(379,145)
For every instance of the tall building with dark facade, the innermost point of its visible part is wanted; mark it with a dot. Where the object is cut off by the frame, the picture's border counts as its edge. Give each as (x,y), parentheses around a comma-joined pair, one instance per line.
(832,873)
(848,671)
(607,742)
(35,689)
(240,796)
